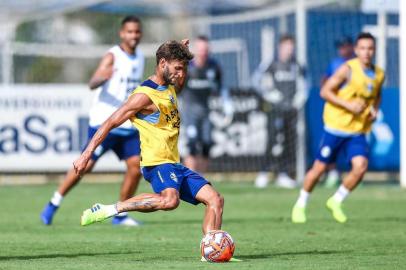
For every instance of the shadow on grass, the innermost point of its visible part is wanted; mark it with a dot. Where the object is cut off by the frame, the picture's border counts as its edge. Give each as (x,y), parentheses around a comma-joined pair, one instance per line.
(62,255)
(298,253)
(225,221)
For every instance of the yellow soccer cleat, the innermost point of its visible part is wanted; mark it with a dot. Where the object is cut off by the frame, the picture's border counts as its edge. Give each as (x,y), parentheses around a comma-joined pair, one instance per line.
(298,214)
(336,209)
(95,214)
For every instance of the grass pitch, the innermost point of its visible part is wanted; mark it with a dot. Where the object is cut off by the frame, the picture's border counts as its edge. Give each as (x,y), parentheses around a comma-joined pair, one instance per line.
(259,221)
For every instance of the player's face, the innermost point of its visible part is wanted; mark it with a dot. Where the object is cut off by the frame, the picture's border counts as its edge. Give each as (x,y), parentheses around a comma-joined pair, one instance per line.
(173,71)
(346,51)
(201,50)
(286,50)
(365,50)
(131,34)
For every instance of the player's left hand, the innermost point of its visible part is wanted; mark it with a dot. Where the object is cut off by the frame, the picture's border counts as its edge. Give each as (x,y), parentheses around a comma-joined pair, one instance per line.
(185,42)
(373,113)
(80,164)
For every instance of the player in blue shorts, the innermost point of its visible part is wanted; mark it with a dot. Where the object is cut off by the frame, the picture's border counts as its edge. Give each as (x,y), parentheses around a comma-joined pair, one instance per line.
(353,96)
(153,109)
(118,74)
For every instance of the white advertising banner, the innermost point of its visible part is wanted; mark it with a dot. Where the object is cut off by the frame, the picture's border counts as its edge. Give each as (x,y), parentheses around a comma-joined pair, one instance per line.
(44,127)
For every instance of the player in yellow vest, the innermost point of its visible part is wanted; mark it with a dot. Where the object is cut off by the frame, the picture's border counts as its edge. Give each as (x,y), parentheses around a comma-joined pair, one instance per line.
(152,108)
(353,96)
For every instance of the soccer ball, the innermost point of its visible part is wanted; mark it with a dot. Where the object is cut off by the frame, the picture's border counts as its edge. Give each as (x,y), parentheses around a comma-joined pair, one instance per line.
(217,246)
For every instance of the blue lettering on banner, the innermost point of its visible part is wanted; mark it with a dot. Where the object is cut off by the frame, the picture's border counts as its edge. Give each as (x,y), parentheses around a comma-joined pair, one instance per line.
(28,127)
(35,135)
(9,139)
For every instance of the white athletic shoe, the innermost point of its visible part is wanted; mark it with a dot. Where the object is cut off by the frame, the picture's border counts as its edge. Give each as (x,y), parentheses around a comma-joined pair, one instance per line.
(262,180)
(284,181)
(125,221)
(332,179)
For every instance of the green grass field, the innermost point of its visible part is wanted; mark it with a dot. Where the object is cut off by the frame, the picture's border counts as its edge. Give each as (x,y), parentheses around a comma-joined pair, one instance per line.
(258,220)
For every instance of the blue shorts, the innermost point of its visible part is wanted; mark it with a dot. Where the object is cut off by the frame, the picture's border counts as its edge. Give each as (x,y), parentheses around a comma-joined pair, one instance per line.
(124,145)
(176,176)
(351,146)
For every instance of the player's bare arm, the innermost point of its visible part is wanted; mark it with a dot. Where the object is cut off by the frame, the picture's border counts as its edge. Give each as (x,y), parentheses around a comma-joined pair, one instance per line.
(330,88)
(103,71)
(136,103)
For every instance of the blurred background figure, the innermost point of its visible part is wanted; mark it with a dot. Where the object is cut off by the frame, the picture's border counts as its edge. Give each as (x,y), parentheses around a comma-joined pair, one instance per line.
(204,80)
(345,51)
(283,100)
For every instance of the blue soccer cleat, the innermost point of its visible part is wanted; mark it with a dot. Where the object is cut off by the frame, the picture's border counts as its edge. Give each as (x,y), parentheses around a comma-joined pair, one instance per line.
(48,213)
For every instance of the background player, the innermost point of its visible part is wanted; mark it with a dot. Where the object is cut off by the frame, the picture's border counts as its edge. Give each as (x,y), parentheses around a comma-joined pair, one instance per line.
(203,80)
(348,115)
(284,100)
(153,109)
(120,71)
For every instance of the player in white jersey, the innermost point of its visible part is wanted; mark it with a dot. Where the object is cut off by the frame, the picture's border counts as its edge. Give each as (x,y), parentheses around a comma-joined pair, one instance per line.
(120,71)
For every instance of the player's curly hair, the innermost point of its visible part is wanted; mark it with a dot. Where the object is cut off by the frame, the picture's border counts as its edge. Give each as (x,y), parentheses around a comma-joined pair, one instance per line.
(173,50)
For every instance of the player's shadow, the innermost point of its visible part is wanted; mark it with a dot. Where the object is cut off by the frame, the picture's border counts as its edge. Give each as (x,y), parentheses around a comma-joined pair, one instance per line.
(62,255)
(298,253)
(226,221)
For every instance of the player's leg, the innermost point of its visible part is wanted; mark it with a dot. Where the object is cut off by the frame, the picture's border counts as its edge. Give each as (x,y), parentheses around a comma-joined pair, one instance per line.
(356,149)
(131,178)
(326,155)
(262,178)
(310,181)
(71,179)
(128,148)
(333,177)
(167,200)
(206,143)
(288,156)
(354,177)
(214,203)
(193,138)
(165,181)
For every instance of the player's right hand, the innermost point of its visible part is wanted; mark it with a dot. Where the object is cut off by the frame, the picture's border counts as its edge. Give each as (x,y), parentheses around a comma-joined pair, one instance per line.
(356,107)
(80,164)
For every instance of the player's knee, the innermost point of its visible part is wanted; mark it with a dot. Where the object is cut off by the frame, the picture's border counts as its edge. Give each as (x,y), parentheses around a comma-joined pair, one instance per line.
(216,201)
(171,203)
(135,172)
(360,166)
(319,168)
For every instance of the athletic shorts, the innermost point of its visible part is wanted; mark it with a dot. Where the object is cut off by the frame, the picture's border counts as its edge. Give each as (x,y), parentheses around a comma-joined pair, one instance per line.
(123,145)
(351,146)
(177,176)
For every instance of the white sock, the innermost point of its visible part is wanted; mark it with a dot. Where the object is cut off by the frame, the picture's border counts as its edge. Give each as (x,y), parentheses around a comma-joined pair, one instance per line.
(333,174)
(111,210)
(341,193)
(56,199)
(303,198)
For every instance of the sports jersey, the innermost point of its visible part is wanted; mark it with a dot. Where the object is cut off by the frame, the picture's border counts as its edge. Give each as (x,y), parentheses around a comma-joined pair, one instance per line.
(159,131)
(200,84)
(127,74)
(284,76)
(362,85)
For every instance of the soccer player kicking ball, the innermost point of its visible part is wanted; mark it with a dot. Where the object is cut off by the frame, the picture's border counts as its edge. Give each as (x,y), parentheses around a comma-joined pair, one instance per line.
(352,95)
(152,108)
